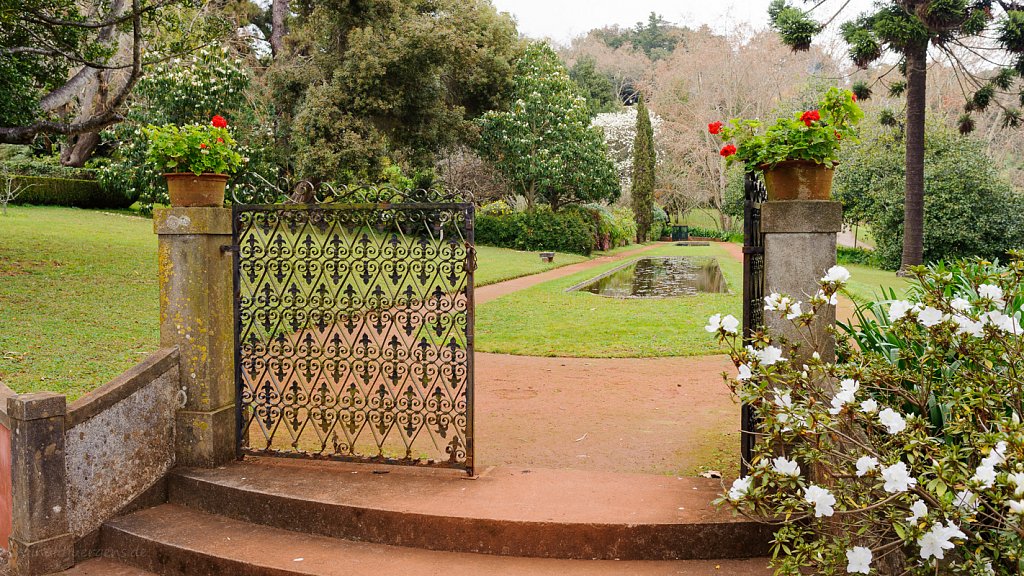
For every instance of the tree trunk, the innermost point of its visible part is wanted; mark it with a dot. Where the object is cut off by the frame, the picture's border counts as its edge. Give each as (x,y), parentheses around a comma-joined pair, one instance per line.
(278,19)
(79,149)
(913,208)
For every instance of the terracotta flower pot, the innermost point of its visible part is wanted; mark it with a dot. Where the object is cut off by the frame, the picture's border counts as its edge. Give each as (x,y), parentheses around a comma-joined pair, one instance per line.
(188,190)
(798,180)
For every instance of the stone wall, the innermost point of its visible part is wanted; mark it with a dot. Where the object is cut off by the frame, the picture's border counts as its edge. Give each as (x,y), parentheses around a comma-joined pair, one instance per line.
(120,441)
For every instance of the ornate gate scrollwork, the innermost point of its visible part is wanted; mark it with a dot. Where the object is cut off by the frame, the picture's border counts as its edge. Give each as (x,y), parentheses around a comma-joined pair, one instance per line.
(354,326)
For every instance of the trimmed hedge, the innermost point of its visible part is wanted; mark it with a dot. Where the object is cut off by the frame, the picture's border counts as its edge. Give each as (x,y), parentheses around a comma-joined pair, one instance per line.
(847,255)
(45,191)
(541,229)
(720,235)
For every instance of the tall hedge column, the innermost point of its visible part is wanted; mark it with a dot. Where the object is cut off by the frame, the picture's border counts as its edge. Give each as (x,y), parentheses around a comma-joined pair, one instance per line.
(799,247)
(197,316)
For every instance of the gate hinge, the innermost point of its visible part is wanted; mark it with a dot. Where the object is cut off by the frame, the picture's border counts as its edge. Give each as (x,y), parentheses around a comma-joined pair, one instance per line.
(753,249)
(233,248)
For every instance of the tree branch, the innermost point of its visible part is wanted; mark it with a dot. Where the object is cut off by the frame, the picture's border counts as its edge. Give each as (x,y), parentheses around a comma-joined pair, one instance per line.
(41,18)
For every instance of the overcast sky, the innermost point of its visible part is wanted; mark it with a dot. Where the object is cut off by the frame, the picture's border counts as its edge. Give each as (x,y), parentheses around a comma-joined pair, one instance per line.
(561,20)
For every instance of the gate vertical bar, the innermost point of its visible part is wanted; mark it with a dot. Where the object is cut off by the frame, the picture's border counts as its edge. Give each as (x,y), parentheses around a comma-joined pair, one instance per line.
(753,295)
(236,258)
(470,334)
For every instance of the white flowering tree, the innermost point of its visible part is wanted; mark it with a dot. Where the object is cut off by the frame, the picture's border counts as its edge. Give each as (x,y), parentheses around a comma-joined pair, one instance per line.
(543,143)
(906,456)
(619,135)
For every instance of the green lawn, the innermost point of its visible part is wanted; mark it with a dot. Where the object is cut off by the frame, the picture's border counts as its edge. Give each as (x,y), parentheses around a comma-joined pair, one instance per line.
(547,321)
(866,283)
(499,264)
(79,295)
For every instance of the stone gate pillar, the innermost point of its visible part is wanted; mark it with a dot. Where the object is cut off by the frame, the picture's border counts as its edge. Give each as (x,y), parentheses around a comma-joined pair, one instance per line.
(197,316)
(799,247)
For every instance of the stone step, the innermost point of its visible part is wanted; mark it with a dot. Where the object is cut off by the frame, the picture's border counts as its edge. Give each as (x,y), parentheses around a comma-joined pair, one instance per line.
(505,511)
(172,540)
(105,567)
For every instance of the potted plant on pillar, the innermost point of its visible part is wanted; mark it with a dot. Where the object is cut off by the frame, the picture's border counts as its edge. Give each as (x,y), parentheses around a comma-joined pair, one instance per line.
(198,160)
(798,154)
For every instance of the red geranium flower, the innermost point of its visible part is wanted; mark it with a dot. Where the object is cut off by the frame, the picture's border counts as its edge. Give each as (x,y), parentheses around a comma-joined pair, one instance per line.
(854,97)
(839,136)
(715,127)
(220,140)
(810,116)
(203,145)
(219,122)
(727,150)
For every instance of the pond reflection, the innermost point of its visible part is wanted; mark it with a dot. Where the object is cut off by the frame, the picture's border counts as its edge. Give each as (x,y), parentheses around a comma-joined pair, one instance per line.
(660,278)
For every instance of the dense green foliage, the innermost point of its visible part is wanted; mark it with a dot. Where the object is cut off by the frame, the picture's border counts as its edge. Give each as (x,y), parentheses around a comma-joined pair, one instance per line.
(846,255)
(595,86)
(48,191)
(613,227)
(656,37)
(644,162)
(367,85)
(543,142)
(712,234)
(970,210)
(540,229)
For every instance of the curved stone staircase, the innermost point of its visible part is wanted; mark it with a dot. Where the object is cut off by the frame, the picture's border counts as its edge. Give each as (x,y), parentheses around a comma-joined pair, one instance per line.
(272,517)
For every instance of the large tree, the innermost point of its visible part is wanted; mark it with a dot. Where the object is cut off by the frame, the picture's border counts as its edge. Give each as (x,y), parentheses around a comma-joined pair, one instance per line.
(67,67)
(644,161)
(908,28)
(543,142)
(365,85)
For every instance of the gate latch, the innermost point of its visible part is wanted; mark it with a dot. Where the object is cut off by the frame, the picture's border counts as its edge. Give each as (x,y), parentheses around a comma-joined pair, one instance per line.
(233,248)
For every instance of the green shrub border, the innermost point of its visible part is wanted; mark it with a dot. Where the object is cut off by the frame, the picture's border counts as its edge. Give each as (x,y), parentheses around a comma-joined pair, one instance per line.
(45,191)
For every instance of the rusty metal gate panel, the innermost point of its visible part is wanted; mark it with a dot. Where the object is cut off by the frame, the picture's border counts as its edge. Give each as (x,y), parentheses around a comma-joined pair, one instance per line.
(354,327)
(753,293)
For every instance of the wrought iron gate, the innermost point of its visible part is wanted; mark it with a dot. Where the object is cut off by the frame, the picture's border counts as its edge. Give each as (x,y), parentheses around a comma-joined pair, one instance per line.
(753,293)
(354,327)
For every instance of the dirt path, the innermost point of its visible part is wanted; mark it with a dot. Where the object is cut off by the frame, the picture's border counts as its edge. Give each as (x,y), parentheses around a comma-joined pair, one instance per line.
(648,415)
(494,291)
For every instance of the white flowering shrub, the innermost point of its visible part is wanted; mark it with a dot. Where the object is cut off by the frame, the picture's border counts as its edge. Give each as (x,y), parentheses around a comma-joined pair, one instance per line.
(620,135)
(905,456)
(191,90)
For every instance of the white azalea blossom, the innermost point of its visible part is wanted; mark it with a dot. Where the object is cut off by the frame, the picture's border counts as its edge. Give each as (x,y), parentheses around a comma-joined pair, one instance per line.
(966,500)
(794,311)
(991,292)
(837,274)
(730,324)
(846,395)
(744,373)
(899,309)
(897,478)
(866,464)
(858,560)
(985,476)
(893,422)
(936,541)
(739,488)
(1016,506)
(785,466)
(965,325)
(869,406)
(960,304)
(714,324)
(930,317)
(1017,479)
(822,499)
(918,510)
(768,356)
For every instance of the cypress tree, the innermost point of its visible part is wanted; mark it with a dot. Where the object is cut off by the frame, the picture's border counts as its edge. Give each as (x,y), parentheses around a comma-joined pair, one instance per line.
(643,172)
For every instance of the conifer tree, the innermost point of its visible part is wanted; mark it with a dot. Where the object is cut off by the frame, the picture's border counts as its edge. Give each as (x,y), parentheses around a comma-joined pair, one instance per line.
(644,160)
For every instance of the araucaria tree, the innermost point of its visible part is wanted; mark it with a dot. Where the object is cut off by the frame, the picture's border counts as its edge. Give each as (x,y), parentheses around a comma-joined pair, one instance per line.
(543,142)
(644,161)
(907,28)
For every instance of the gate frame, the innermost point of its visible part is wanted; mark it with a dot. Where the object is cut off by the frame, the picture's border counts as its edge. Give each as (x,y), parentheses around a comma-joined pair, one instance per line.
(755,195)
(310,202)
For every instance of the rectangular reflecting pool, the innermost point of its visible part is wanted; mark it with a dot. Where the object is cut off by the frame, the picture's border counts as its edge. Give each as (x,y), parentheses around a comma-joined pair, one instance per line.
(658,277)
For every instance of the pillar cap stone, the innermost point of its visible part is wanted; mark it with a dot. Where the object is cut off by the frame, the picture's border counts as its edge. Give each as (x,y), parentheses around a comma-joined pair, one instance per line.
(183,221)
(36,406)
(801,217)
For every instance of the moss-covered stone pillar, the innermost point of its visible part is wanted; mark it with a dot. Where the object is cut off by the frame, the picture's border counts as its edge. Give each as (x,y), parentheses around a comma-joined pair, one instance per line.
(40,542)
(799,248)
(197,316)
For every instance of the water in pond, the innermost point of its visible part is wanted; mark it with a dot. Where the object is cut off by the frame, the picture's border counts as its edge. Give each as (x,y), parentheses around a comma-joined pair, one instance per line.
(660,278)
